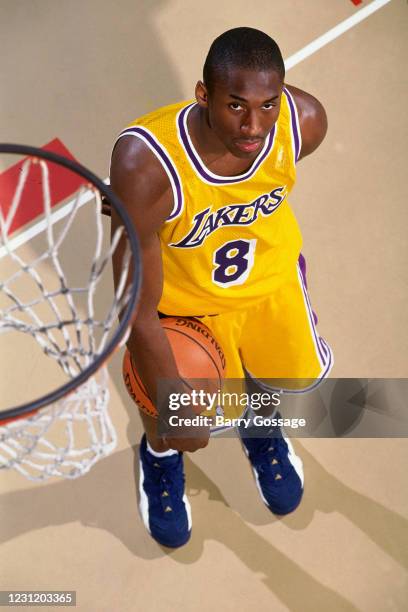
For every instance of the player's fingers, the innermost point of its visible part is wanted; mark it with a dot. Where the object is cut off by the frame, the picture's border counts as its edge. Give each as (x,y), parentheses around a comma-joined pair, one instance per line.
(106,207)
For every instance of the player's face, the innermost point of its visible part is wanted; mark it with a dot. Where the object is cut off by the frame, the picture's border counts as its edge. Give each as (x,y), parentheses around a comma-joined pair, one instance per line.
(242,109)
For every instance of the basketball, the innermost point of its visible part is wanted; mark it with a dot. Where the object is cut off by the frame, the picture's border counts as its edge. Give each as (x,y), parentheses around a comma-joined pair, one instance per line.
(197,353)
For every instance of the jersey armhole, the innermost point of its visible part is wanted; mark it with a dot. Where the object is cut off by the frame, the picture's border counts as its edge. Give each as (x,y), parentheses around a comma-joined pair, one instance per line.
(165,160)
(295,126)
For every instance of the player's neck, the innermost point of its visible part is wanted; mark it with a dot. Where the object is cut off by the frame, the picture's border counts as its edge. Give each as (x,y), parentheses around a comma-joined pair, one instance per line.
(213,153)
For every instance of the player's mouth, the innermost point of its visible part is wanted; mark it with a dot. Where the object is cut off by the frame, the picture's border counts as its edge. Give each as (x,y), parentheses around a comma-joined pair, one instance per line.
(249,146)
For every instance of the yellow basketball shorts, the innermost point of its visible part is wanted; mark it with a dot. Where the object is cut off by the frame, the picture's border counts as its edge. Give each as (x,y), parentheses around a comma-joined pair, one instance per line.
(276,341)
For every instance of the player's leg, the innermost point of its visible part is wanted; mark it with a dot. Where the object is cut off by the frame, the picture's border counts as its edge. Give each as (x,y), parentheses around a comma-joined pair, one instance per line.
(163,504)
(288,353)
(156,442)
(281,348)
(227,328)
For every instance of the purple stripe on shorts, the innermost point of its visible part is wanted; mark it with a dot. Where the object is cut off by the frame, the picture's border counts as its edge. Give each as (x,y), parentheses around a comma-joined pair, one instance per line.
(302,265)
(201,168)
(139,131)
(294,123)
(325,346)
(322,353)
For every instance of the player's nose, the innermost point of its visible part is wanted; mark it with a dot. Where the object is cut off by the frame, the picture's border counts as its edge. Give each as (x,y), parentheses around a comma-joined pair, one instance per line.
(251,127)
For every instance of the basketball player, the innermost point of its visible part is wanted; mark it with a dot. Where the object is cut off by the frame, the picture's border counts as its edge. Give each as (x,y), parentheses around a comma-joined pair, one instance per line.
(206,184)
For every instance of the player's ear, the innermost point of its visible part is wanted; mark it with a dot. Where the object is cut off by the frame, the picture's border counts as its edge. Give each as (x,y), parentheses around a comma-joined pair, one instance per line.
(201,94)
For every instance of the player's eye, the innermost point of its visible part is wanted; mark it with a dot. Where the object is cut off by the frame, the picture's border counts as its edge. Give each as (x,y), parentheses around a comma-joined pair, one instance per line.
(268,105)
(235,106)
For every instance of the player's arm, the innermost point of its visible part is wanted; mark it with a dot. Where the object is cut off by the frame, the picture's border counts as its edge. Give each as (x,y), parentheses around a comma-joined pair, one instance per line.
(312,120)
(139,180)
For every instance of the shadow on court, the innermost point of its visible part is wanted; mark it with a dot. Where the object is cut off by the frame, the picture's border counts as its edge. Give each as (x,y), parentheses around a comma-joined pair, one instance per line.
(98,64)
(95,502)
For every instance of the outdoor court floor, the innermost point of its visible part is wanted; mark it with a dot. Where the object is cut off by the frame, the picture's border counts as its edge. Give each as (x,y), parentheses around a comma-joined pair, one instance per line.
(80,71)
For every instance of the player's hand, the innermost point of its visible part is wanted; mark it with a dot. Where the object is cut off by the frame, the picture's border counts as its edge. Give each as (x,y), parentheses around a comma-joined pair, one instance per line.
(106,207)
(184,437)
(188,445)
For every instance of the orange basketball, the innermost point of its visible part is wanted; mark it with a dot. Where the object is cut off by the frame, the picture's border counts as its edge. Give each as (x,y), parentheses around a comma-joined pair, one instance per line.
(197,354)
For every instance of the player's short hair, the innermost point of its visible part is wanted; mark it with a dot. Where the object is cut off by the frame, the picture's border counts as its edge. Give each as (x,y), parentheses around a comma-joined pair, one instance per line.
(242,48)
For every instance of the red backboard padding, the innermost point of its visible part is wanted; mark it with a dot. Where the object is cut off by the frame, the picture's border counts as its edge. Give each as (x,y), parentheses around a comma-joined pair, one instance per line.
(63,183)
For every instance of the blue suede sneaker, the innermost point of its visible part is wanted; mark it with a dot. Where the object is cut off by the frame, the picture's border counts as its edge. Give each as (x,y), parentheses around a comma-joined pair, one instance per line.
(164,506)
(277,469)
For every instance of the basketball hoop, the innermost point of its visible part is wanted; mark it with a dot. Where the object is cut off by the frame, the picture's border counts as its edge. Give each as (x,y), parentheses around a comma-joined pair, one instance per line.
(70,315)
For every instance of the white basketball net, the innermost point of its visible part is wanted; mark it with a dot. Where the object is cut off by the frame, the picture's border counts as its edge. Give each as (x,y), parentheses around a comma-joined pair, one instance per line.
(65,438)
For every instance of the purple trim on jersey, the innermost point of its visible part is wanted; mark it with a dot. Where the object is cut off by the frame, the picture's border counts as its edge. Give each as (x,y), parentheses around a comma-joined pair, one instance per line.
(199,166)
(139,131)
(293,115)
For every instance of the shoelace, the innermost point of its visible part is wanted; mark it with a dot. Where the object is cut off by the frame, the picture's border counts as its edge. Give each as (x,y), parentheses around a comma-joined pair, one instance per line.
(271,455)
(170,482)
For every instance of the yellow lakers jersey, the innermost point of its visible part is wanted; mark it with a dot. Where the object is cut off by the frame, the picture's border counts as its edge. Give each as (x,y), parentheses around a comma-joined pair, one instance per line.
(229,240)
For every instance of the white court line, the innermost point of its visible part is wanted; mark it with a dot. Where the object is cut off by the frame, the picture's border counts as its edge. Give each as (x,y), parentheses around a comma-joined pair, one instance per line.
(294,59)
(335,32)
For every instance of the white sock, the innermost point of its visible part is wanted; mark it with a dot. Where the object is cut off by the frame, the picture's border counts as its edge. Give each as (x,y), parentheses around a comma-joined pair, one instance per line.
(167,453)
